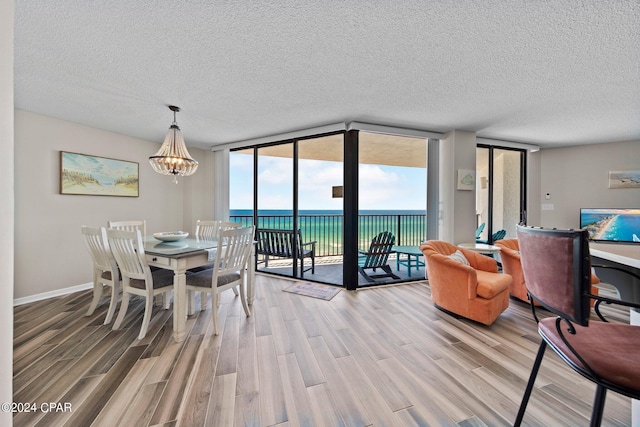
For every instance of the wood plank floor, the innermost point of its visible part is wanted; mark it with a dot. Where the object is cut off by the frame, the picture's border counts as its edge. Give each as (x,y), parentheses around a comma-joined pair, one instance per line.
(376,357)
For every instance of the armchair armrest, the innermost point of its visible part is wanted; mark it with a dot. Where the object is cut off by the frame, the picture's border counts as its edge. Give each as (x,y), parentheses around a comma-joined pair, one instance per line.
(479,261)
(460,278)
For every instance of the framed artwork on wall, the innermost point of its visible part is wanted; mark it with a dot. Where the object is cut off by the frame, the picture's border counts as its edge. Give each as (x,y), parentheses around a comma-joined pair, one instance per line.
(83,174)
(466,179)
(624,179)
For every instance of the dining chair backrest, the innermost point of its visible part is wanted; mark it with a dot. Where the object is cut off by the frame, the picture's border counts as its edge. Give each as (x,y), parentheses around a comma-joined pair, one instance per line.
(227,225)
(96,241)
(128,250)
(234,248)
(130,226)
(557,270)
(207,229)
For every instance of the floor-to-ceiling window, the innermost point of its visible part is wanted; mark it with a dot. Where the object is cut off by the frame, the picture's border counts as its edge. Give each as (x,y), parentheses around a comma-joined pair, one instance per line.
(392,199)
(300,185)
(500,194)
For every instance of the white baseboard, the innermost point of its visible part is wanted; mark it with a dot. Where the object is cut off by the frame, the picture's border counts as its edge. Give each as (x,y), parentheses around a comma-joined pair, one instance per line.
(52,294)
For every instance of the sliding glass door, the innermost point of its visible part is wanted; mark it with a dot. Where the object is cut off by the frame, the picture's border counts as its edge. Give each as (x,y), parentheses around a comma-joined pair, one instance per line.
(500,194)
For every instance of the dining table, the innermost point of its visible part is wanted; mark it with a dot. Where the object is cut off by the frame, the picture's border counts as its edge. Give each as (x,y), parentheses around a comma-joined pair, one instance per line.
(179,256)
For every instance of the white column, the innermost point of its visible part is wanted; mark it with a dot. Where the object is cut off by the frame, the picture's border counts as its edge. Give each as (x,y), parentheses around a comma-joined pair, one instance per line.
(221,185)
(457,223)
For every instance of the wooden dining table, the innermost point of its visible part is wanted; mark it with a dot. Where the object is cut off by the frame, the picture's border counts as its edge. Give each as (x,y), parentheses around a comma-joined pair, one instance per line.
(179,256)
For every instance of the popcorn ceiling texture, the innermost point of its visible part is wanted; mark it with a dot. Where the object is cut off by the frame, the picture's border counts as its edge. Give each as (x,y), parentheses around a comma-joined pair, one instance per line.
(546,72)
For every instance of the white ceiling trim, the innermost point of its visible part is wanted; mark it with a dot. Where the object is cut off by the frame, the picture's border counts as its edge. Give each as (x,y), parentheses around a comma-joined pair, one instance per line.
(392,130)
(302,133)
(508,144)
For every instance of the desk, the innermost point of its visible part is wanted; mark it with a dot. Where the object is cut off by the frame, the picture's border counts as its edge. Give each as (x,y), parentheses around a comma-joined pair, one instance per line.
(482,248)
(413,254)
(625,257)
(179,257)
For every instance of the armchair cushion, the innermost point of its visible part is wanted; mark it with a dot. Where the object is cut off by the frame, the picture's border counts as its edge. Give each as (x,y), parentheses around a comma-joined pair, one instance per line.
(491,284)
(459,257)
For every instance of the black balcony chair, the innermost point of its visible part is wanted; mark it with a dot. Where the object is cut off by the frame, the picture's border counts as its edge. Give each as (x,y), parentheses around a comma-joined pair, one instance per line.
(557,269)
(377,256)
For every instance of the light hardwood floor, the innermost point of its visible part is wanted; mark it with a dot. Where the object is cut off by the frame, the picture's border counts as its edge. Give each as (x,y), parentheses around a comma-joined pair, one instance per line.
(375,357)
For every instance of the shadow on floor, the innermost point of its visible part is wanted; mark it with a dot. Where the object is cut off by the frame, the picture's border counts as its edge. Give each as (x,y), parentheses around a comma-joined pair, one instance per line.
(331,273)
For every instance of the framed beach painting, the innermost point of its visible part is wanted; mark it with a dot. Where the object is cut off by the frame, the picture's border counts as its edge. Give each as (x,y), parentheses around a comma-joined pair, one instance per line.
(624,179)
(97,176)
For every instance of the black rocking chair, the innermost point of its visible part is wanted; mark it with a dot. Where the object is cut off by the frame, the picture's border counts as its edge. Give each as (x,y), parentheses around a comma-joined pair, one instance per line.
(377,257)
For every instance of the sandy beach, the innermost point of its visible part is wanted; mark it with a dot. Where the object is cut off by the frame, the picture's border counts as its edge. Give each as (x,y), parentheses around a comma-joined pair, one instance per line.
(603,226)
(104,190)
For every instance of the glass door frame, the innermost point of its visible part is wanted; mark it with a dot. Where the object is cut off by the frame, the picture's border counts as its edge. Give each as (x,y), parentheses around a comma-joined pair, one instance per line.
(295,187)
(523,185)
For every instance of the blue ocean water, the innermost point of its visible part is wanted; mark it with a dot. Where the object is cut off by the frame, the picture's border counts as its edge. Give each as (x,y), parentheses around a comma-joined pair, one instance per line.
(274,212)
(325,227)
(623,227)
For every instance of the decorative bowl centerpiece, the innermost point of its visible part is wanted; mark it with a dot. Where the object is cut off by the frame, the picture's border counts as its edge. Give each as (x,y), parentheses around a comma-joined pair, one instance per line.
(170,236)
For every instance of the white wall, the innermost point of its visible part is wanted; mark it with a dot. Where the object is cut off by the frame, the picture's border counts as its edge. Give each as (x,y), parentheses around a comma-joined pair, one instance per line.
(577,177)
(49,252)
(6,207)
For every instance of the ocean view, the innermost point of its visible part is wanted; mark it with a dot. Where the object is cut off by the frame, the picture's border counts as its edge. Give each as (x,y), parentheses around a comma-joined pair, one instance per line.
(325,226)
(617,227)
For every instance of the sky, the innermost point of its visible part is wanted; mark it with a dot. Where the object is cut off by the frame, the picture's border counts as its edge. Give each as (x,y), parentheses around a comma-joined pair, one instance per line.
(381,187)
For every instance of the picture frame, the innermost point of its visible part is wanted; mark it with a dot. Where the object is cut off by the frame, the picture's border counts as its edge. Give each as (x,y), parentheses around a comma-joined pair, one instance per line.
(88,175)
(466,179)
(624,179)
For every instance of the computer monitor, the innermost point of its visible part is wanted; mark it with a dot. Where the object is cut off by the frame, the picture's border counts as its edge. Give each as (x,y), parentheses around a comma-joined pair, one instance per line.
(611,224)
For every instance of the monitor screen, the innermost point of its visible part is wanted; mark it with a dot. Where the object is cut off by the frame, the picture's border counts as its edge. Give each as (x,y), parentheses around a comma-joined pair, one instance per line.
(611,225)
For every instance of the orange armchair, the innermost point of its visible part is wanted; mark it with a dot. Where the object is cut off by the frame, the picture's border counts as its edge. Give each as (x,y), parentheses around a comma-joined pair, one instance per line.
(475,291)
(510,256)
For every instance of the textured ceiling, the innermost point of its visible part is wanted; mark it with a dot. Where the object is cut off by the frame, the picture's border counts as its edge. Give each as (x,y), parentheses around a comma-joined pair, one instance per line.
(550,73)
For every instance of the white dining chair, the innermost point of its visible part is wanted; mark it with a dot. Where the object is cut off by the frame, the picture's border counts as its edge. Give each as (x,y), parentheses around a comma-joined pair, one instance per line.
(210,230)
(207,229)
(105,269)
(137,277)
(229,269)
(131,225)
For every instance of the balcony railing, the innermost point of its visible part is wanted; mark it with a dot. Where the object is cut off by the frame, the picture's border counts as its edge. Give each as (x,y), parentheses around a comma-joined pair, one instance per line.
(326,229)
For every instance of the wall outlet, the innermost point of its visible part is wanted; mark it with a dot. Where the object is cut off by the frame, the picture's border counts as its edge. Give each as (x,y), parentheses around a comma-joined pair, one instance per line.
(547,206)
